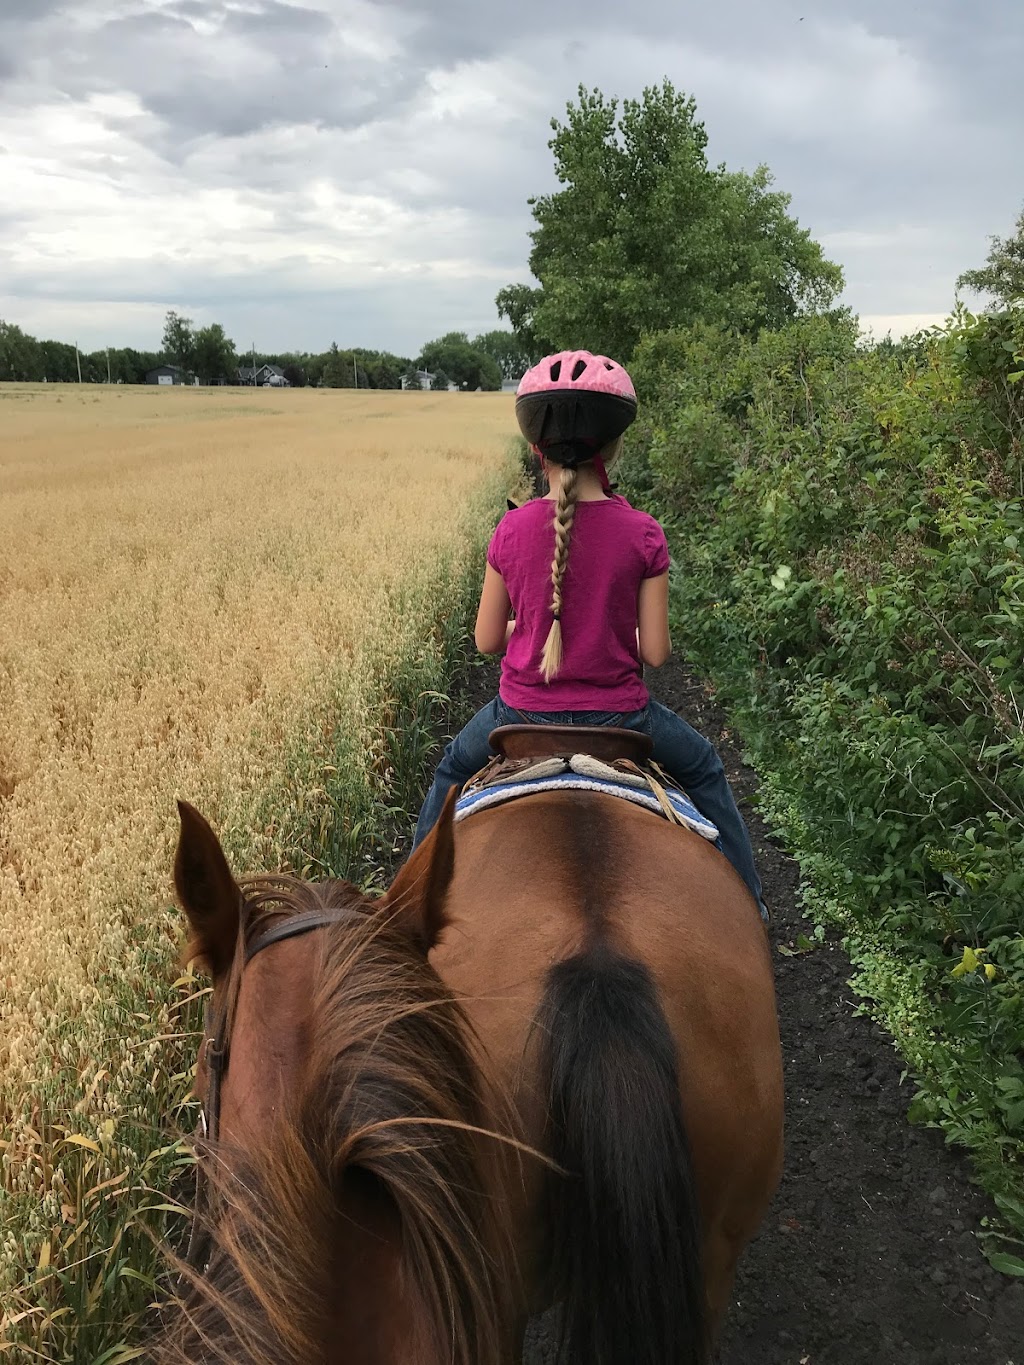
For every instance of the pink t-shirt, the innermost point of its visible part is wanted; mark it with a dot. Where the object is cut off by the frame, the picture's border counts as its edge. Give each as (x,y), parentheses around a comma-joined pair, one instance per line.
(612,549)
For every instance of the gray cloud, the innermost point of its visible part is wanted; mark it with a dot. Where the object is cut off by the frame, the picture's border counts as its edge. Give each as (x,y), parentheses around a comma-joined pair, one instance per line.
(224,72)
(344,156)
(31,9)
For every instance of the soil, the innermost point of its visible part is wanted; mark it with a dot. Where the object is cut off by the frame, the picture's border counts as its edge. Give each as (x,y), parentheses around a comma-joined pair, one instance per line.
(868,1255)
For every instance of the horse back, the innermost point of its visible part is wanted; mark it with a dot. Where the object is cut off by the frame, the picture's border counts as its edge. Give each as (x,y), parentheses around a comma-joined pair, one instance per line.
(543,879)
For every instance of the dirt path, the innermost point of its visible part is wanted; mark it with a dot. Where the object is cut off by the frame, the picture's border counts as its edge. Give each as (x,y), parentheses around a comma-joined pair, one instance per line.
(868,1255)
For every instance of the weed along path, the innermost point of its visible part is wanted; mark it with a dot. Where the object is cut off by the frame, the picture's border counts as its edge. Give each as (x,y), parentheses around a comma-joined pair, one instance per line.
(868,1255)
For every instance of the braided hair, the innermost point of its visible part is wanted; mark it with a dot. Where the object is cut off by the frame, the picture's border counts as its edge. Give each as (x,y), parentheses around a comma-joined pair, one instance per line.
(565,512)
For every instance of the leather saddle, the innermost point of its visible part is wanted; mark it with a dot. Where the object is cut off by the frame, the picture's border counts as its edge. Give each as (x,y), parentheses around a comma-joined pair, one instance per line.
(607,743)
(539,751)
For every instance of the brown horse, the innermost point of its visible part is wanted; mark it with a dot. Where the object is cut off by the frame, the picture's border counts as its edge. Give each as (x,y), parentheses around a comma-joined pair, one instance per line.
(619,975)
(346,1208)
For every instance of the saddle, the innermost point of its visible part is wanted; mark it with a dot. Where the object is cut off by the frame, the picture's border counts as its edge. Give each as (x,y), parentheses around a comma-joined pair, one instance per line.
(533,758)
(607,743)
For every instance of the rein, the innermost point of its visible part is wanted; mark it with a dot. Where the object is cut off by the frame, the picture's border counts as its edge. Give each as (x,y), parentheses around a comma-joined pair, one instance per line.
(216,1048)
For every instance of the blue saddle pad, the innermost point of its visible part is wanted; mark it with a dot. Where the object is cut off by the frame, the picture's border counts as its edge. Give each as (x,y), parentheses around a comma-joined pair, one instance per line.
(486,797)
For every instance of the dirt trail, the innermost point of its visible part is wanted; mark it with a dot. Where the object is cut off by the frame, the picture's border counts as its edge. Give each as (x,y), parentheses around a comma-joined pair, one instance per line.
(868,1255)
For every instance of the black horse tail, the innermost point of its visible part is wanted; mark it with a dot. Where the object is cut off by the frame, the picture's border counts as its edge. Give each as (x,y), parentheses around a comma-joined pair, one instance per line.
(624,1235)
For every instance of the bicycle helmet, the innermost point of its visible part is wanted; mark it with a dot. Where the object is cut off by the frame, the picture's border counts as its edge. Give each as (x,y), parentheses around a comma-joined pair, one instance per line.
(573,404)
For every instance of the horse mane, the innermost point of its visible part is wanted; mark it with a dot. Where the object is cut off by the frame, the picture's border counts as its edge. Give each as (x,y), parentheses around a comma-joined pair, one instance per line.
(391,1093)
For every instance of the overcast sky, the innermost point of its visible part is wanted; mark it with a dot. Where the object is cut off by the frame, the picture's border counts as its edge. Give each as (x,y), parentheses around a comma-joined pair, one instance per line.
(358,170)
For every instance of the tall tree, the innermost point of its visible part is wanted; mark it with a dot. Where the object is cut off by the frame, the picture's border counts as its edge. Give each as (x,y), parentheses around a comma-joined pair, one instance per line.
(1002,275)
(386,371)
(179,340)
(507,350)
(19,354)
(465,365)
(57,362)
(334,371)
(213,355)
(519,303)
(645,235)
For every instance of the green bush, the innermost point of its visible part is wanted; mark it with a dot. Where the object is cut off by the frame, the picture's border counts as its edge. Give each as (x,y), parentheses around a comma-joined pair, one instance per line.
(847,531)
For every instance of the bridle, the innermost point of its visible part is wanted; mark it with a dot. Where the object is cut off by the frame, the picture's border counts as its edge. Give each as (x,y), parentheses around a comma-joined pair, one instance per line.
(216,1046)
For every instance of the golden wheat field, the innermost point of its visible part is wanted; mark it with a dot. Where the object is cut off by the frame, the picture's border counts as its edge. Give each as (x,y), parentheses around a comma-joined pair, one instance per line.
(243,598)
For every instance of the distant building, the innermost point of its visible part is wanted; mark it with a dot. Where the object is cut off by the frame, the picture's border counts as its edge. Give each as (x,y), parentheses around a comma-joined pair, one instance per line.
(167,374)
(263,376)
(426,379)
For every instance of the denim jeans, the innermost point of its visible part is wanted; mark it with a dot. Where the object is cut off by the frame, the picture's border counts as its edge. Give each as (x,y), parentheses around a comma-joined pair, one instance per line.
(678,748)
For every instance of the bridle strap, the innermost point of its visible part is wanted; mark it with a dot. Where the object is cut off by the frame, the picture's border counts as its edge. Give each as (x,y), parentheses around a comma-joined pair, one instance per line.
(302,923)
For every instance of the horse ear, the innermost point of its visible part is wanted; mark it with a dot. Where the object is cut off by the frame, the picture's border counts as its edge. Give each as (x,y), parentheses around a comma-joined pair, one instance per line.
(208,893)
(416,898)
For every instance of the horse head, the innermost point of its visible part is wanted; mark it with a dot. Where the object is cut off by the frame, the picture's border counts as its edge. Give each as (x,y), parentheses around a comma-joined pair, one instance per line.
(343,1209)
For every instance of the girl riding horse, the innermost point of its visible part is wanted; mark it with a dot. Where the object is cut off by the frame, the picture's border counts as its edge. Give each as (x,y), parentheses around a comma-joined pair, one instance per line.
(575,597)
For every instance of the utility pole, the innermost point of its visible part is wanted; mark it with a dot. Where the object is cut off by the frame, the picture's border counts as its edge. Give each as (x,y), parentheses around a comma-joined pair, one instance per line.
(355,368)
(254,364)
(78,360)
(108,364)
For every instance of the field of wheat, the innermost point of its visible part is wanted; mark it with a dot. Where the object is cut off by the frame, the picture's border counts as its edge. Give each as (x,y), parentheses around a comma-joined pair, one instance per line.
(243,598)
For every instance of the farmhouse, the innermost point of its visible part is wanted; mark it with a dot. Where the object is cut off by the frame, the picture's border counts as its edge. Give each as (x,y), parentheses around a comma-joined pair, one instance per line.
(167,374)
(426,379)
(263,376)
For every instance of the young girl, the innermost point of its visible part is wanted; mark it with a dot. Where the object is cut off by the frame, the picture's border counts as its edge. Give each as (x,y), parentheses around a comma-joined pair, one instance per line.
(586,576)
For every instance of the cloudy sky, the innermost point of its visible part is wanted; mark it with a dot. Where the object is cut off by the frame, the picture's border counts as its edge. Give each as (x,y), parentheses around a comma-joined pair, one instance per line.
(358,170)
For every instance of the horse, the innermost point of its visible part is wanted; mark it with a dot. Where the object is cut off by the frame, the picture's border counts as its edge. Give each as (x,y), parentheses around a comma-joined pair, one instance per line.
(345,1205)
(619,976)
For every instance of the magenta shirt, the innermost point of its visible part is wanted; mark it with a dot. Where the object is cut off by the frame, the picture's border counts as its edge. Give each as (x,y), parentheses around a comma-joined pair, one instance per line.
(613,548)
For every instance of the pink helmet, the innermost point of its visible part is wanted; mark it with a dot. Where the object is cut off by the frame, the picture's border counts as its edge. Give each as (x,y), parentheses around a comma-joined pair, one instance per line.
(573,404)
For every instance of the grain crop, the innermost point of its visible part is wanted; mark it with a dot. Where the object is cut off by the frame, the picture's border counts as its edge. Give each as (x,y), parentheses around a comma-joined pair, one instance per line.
(241,597)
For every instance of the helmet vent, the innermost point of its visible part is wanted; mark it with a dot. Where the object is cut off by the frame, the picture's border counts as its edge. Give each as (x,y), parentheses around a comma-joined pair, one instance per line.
(578,368)
(608,365)
(556,370)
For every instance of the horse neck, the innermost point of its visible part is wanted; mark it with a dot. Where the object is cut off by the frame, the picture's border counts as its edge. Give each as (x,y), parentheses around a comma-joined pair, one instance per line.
(372,1312)
(406,1256)
(379,1317)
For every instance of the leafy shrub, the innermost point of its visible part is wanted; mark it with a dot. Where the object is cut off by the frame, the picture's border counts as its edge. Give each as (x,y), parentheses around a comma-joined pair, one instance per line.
(848,532)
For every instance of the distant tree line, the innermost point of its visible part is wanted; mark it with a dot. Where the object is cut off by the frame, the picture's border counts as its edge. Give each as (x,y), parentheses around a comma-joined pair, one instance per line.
(27,360)
(209,355)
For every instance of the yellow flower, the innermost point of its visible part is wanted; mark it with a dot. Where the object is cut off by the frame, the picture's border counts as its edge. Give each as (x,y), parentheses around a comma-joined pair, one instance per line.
(968,963)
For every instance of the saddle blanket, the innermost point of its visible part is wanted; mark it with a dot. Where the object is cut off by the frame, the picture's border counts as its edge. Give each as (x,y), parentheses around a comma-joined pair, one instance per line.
(577,774)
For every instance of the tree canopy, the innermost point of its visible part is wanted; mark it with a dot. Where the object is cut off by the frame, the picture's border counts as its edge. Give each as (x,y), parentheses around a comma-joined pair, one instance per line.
(645,235)
(26,359)
(504,347)
(1002,275)
(214,354)
(179,341)
(466,366)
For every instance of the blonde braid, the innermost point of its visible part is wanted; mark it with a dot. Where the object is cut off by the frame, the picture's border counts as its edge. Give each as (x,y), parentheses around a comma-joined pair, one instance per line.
(565,511)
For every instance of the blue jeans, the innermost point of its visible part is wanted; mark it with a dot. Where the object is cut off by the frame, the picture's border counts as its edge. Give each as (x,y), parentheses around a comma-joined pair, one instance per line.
(678,748)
